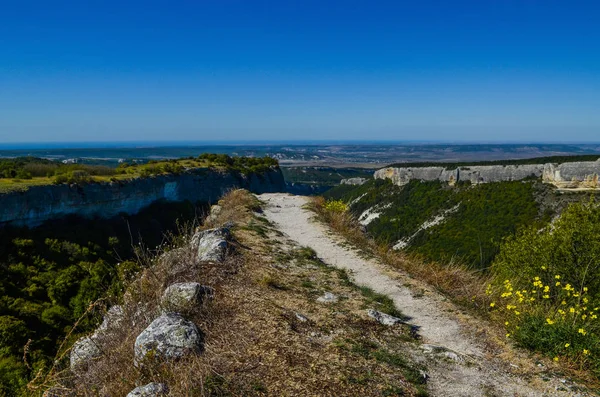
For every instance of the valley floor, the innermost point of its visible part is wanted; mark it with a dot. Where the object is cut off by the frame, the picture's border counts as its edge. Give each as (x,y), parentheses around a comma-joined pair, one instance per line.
(463,357)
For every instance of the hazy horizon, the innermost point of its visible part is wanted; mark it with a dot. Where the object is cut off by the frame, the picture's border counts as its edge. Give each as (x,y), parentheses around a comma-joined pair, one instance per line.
(315,142)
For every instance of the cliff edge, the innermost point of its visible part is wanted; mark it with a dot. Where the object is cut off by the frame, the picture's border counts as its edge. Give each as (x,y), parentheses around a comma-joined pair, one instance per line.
(41,203)
(574,175)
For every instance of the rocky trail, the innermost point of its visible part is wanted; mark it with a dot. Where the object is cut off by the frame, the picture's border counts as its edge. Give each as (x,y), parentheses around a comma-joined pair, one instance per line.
(457,355)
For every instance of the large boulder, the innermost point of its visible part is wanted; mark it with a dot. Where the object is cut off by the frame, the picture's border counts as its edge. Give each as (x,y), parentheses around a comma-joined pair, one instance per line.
(83,352)
(150,390)
(185,297)
(212,244)
(170,336)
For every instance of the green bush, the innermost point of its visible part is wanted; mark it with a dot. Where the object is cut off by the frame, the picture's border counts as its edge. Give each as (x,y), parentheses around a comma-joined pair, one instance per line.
(569,247)
(547,287)
(77,176)
(243,165)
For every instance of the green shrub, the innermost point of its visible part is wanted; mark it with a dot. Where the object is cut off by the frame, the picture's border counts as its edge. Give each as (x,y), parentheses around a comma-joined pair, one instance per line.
(77,176)
(547,287)
(243,165)
(570,247)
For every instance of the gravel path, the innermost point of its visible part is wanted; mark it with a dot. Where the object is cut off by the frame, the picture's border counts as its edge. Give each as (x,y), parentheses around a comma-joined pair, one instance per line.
(457,362)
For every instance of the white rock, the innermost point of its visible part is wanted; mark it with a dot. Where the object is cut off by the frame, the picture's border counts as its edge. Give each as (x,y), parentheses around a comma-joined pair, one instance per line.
(383,318)
(327,297)
(113,318)
(170,336)
(212,244)
(185,296)
(83,351)
(150,390)
(301,318)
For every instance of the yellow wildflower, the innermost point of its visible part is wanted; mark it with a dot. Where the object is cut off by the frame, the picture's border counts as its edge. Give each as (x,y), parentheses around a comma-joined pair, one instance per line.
(567,344)
(550,322)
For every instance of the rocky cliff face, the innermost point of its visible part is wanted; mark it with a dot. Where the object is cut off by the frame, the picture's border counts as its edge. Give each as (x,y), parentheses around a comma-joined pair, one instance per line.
(566,175)
(41,203)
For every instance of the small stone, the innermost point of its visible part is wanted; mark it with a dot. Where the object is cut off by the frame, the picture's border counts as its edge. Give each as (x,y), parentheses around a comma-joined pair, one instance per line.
(327,297)
(170,336)
(150,390)
(83,351)
(383,318)
(301,318)
(453,356)
(182,297)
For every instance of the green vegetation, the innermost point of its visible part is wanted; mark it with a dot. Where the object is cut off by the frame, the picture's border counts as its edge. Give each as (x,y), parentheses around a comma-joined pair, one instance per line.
(20,173)
(51,274)
(535,160)
(547,287)
(33,167)
(244,165)
(476,217)
(326,176)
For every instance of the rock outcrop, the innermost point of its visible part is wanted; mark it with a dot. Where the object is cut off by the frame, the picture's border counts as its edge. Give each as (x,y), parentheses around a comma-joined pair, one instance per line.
(565,175)
(353,181)
(168,337)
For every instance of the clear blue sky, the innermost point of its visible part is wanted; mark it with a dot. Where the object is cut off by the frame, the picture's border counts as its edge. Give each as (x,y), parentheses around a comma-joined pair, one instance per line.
(493,70)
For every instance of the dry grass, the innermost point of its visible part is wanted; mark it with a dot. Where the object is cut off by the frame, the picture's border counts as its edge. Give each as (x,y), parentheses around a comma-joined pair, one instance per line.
(255,341)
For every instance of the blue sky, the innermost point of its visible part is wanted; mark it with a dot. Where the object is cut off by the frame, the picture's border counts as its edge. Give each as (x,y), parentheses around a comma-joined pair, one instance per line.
(288,70)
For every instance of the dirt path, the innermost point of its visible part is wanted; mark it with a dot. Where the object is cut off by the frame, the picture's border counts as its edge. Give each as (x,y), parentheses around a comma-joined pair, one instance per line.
(458,363)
